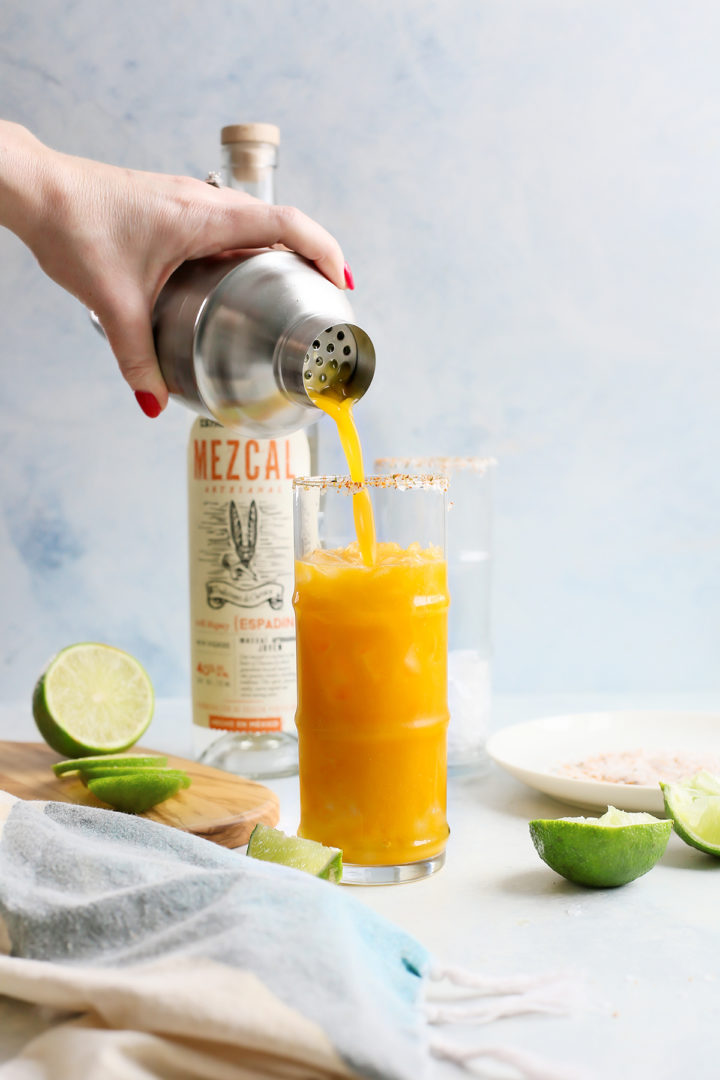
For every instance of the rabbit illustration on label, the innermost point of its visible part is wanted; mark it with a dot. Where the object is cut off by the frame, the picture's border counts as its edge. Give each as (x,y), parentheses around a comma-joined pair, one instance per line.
(243,589)
(239,563)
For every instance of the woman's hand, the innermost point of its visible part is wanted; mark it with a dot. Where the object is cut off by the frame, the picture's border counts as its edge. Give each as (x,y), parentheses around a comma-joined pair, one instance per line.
(113,236)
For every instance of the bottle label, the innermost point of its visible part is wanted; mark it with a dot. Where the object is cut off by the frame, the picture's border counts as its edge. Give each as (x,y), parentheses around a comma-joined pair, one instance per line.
(241,577)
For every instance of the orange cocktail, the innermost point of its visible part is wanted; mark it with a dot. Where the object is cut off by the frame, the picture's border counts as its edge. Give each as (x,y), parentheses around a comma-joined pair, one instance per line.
(372,677)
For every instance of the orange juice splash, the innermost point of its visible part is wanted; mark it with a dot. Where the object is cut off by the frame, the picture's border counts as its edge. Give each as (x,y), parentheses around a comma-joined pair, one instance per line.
(340,410)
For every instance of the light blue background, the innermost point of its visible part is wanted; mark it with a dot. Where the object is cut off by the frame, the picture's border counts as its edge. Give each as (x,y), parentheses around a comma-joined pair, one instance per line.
(528,195)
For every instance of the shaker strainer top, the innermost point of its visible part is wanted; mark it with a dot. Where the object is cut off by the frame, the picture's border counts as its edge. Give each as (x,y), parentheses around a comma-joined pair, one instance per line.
(331,359)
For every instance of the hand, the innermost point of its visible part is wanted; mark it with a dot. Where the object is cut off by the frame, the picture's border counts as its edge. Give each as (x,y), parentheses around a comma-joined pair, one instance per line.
(113,236)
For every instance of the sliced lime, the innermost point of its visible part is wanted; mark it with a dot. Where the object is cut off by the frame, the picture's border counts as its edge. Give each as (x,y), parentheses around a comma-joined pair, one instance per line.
(272,845)
(92,699)
(604,852)
(694,806)
(138,793)
(145,774)
(703,782)
(107,761)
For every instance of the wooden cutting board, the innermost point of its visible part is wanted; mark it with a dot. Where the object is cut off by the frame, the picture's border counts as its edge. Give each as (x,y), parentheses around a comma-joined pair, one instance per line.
(217,806)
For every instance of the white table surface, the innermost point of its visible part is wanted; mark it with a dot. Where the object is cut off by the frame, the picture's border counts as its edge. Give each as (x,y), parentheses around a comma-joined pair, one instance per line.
(647,954)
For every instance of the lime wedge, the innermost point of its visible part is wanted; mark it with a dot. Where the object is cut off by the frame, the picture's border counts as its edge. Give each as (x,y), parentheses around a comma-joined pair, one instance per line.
(92,699)
(138,793)
(604,852)
(272,845)
(694,806)
(107,761)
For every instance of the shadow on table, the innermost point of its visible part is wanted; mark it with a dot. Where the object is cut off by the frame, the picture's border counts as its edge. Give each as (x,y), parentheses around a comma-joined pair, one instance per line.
(689,858)
(541,883)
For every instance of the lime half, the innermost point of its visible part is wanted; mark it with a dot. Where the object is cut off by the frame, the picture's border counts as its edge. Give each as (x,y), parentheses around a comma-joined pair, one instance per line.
(694,806)
(92,699)
(604,852)
(272,845)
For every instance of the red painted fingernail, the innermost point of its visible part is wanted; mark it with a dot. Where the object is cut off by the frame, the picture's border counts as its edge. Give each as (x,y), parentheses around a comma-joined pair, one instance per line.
(148,403)
(349,279)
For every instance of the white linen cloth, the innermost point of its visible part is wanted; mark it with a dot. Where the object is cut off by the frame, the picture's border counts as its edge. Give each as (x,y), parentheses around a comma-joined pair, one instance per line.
(165,957)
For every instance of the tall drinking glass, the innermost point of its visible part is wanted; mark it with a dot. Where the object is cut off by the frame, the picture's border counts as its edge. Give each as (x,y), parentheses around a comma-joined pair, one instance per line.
(372,675)
(469,547)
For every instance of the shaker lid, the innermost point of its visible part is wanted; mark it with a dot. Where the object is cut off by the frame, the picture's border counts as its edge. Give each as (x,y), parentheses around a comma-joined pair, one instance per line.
(239,133)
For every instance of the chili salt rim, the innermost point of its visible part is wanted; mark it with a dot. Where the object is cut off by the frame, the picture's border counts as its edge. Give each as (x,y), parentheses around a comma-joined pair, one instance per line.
(437,464)
(397,481)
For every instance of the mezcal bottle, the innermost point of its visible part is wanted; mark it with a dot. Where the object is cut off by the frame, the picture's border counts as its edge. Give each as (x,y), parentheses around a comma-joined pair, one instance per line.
(241,556)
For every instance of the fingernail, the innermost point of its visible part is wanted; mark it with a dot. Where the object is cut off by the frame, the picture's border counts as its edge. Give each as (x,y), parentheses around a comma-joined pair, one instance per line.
(148,403)
(349,279)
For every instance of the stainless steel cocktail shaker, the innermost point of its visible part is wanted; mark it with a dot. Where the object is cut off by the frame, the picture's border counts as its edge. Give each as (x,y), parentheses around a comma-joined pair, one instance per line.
(241,339)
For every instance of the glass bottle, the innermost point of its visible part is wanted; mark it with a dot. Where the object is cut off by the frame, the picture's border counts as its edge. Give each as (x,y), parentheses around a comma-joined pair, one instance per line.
(241,556)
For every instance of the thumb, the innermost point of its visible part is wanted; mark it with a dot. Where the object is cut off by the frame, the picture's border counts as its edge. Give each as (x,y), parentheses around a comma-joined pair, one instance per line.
(128,328)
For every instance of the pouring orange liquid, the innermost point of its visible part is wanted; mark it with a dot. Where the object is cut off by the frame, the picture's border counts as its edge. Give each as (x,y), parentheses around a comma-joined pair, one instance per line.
(372,688)
(340,410)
